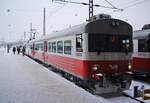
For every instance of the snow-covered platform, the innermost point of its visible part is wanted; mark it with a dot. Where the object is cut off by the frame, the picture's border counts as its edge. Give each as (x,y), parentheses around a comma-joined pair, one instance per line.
(130,92)
(24,81)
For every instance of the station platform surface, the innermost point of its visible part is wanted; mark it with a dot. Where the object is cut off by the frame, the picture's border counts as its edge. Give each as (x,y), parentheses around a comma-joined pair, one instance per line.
(23,80)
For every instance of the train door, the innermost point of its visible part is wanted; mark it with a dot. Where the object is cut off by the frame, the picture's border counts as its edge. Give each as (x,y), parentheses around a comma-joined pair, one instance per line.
(45,52)
(32,50)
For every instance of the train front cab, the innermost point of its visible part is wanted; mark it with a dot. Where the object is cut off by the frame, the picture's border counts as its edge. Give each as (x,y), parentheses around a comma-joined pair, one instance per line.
(107,53)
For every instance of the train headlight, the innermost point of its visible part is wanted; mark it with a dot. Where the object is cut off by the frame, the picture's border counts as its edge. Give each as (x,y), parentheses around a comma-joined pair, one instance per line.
(129,67)
(96,67)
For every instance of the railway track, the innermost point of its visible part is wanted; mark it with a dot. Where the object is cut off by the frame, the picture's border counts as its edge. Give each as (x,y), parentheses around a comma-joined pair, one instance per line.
(112,97)
(127,95)
(141,78)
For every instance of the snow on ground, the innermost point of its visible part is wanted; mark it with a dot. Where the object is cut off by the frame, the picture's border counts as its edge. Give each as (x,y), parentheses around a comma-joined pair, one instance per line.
(2,51)
(24,81)
(122,99)
(139,84)
(118,98)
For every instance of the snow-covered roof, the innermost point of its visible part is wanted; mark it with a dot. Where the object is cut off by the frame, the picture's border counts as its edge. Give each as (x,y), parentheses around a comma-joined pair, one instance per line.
(98,26)
(141,34)
(77,29)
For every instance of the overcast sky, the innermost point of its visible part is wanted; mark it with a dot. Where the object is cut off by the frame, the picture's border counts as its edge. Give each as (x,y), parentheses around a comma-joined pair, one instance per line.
(16,15)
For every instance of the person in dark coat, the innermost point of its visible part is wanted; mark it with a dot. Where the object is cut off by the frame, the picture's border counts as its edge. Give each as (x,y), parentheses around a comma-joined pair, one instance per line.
(14,50)
(18,50)
(8,47)
(23,51)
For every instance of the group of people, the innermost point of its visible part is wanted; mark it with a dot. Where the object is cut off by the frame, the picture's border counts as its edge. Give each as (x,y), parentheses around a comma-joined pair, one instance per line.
(18,49)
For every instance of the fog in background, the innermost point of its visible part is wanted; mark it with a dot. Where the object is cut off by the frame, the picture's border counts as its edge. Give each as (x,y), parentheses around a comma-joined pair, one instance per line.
(17,15)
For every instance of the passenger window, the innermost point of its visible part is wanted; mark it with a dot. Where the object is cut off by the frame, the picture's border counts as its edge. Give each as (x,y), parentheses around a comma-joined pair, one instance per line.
(31,47)
(67,47)
(79,43)
(142,45)
(59,47)
(49,47)
(36,47)
(54,47)
(42,47)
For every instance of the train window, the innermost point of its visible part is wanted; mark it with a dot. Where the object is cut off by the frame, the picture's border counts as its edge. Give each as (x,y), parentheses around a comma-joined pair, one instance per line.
(54,47)
(141,45)
(49,47)
(109,43)
(36,46)
(67,47)
(31,47)
(42,47)
(59,47)
(79,43)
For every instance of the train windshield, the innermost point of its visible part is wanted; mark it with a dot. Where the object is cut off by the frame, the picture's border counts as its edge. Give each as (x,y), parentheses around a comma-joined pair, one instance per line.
(110,43)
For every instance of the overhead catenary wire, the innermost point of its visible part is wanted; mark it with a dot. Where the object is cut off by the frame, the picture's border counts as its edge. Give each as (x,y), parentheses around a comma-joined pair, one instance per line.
(130,4)
(136,3)
(82,3)
(110,3)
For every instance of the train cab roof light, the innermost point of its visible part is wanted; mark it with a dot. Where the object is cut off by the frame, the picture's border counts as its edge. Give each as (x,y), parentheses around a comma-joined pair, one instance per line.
(115,23)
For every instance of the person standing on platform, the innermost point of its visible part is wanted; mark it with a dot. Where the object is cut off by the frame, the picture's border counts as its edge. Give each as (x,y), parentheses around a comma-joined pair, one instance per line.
(14,50)
(18,50)
(8,47)
(23,51)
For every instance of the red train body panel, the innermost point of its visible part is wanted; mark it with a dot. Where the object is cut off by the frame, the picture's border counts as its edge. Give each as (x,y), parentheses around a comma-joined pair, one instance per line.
(141,63)
(83,67)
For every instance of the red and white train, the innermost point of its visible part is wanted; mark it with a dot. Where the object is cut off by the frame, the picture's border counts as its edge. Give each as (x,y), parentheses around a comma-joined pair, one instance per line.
(141,55)
(95,54)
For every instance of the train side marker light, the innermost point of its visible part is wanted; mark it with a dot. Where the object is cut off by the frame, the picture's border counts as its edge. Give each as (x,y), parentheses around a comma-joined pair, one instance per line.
(96,67)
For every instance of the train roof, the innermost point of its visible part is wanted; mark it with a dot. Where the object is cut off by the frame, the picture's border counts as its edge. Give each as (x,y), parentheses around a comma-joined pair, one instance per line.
(139,34)
(89,27)
(77,29)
